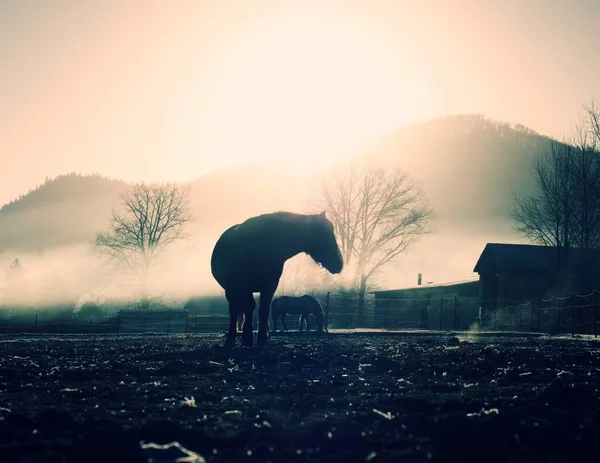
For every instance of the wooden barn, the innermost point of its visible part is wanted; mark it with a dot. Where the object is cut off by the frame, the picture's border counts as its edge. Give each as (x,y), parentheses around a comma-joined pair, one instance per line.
(449,305)
(509,275)
(514,273)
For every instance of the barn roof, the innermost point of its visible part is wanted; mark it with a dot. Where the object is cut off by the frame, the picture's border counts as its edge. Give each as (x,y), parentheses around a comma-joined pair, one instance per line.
(527,257)
(446,284)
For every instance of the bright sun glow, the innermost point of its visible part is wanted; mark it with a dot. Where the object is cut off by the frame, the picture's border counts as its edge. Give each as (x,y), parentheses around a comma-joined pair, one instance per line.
(303,86)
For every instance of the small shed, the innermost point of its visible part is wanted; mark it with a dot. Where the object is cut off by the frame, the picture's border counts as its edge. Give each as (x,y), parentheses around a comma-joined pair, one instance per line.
(468,287)
(152,321)
(515,273)
(447,305)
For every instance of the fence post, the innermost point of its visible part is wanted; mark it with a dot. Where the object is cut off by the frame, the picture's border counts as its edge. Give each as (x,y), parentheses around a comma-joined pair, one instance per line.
(327,313)
(539,311)
(573,315)
(531,326)
(554,312)
(521,316)
(595,305)
(456,313)
(530,316)
(441,308)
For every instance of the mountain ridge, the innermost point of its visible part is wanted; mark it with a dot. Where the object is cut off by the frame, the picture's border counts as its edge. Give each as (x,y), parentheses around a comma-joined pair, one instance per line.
(467,165)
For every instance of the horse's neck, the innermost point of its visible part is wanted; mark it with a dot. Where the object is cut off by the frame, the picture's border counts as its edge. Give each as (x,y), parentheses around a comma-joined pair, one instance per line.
(294,241)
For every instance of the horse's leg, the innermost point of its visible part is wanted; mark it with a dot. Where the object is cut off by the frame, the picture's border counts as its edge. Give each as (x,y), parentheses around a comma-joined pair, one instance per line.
(266,297)
(283,325)
(247,335)
(302,321)
(240,320)
(233,316)
(320,319)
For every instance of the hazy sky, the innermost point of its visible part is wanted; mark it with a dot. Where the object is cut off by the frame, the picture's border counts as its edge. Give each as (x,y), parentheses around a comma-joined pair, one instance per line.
(142,89)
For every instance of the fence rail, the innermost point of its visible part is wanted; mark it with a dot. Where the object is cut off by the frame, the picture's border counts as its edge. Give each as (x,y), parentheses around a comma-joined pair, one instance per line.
(574,314)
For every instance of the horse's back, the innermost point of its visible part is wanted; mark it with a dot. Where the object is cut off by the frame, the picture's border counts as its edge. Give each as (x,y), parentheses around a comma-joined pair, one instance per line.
(250,256)
(243,258)
(251,240)
(224,243)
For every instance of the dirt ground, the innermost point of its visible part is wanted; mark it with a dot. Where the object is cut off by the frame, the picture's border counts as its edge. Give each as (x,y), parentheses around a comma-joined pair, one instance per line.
(328,398)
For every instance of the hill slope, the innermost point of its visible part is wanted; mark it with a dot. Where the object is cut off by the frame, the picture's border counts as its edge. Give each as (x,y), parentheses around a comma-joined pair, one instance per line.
(467,165)
(64,211)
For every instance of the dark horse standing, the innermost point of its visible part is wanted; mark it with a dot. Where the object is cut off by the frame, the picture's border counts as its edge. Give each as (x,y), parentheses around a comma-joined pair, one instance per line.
(248,258)
(303,305)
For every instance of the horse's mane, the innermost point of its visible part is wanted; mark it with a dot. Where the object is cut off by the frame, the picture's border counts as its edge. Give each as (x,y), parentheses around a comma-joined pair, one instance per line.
(279,216)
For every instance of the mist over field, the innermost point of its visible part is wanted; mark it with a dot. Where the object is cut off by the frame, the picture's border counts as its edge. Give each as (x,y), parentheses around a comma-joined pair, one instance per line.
(51,229)
(248,113)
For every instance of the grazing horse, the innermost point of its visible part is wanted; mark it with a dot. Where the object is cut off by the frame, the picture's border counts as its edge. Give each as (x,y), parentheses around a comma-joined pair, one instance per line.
(248,258)
(303,305)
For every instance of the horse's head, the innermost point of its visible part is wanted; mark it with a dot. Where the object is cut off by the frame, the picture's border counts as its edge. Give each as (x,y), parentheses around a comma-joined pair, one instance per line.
(322,245)
(320,317)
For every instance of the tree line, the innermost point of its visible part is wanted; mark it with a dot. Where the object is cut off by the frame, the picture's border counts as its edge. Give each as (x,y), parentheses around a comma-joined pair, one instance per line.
(564,211)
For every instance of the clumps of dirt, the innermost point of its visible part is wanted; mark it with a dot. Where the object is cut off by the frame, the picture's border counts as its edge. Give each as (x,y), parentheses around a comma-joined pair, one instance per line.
(329,398)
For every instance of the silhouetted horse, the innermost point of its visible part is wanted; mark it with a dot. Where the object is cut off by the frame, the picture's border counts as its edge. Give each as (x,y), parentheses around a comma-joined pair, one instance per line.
(248,258)
(303,305)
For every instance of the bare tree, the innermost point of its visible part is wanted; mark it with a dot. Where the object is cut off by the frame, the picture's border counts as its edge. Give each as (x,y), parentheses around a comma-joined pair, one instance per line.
(593,121)
(586,186)
(564,212)
(377,215)
(547,216)
(154,217)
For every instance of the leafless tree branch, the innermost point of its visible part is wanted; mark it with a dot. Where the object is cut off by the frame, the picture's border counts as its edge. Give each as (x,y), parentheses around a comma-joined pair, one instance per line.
(154,216)
(565,210)
(377,215)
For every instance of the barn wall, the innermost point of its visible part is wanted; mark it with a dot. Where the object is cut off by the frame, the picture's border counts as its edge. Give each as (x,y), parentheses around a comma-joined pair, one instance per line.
(420,307)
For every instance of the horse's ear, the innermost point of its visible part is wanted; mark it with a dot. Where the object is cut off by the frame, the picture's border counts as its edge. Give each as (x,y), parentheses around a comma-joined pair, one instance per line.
(323,215)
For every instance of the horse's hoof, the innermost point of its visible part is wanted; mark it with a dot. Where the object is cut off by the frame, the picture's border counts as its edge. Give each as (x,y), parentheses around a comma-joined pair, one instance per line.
(229,342)
(262,340)
(247,340)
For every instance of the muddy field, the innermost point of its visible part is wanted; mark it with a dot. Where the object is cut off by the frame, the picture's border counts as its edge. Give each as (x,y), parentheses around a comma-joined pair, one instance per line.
(330,398)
